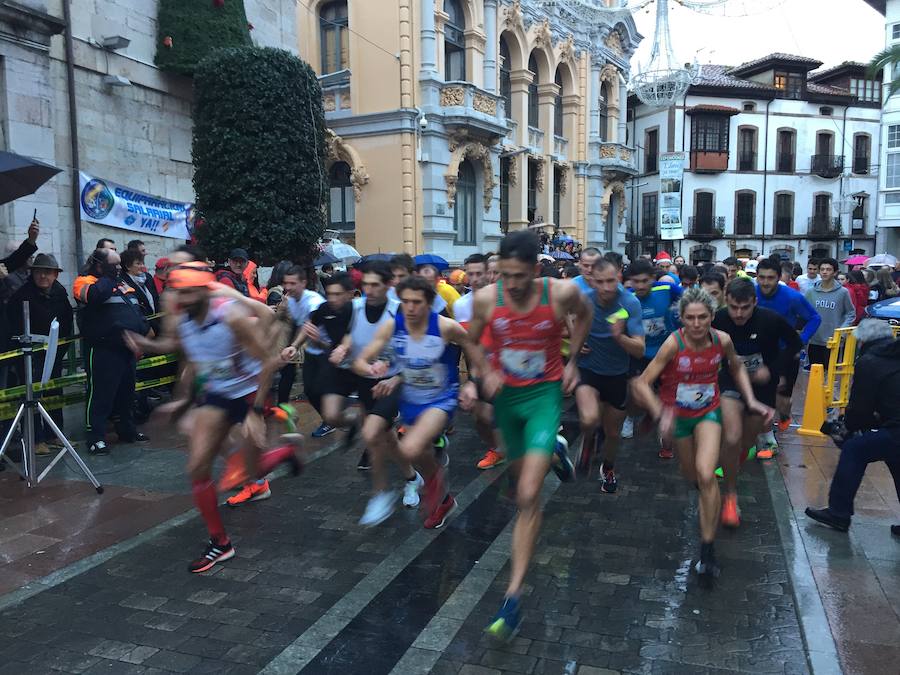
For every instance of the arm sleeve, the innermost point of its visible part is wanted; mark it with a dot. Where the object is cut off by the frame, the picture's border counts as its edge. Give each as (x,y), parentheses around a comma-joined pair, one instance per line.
(19,258)
(807,313)
(849,310)
(860,412)
(634,325)
(101,290)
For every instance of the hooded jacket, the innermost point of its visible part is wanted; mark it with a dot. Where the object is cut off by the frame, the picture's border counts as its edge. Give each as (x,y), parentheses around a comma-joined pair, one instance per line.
(859,294)
(875,392)
(836,308)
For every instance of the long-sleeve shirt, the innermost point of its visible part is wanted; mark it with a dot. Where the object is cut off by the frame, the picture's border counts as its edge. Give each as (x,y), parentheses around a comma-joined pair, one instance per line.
(793,307)
(835,307)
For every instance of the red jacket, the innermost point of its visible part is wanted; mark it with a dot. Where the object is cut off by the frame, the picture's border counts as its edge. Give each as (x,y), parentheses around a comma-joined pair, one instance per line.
(859,294)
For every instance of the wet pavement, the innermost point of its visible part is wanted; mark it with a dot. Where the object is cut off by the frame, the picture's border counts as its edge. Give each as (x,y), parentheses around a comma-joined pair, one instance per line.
(610,590)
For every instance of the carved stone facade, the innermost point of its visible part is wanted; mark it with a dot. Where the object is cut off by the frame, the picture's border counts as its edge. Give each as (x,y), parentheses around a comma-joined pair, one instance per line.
(615,43)
(336,150)
(452,96)
(475,152)
(513,16)
(543,37)
(484,104)
(539,174)
(563,168)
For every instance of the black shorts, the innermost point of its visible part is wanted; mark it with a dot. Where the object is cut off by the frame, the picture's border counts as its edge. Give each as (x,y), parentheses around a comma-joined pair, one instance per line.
(337,381)
(386,407)
(612,389)
(235,409)
(765,395)
(638,366)
(790,378)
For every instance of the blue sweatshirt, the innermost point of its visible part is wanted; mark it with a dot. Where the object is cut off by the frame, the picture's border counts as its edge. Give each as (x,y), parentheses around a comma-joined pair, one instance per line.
(793,307)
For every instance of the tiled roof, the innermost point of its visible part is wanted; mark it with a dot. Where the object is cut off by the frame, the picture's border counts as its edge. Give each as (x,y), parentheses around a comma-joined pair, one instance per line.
(712,75)
(826,89)
(707,107)
(824,74)
(777,56)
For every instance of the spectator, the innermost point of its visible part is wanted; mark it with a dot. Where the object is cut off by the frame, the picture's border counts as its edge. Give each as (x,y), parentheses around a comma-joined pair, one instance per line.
(47,300)
(233,274)
(275,286)
(402,266)
(859,292)
(885,286)
(895,275)
(162,272)
(679,260)
(134,273)
(787,275)
(251,277)
(842,278)
(137,245)
(12,277)
(873,419)
(446,295)
(108,306)
(806,281)
(105,243)
(457,279)
(833,304)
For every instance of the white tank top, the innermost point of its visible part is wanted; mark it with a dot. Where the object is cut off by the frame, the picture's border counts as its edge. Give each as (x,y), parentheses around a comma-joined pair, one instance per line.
(362,332)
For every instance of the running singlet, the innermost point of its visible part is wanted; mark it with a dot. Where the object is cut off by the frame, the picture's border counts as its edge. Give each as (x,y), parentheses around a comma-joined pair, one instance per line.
(429,368)
(527,347)
(362,330)
(222,367)
(690,381)
(656,317)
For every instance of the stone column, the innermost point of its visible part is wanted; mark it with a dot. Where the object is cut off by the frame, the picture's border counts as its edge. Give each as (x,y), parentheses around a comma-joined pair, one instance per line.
(623,112)
(594,96)
(490,52)
(429,44)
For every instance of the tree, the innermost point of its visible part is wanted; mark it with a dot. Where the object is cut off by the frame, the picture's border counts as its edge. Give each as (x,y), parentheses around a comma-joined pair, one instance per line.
(190,30)
(889,58)
(259,153)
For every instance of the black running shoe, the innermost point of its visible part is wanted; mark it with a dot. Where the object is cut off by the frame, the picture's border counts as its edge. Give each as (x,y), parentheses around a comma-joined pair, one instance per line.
(608,482)
(707,567)
(215,553)
(895,530)
(98,448)
(352,433)
(364,464)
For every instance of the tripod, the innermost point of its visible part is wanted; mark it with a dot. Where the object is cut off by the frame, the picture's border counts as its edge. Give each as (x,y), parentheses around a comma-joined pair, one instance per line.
(24,418)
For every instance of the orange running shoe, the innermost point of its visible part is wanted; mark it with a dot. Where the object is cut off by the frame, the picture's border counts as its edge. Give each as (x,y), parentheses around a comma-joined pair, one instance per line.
(768,452)
(235,472)
(731,514)
(491,459)
(251,492)
(785,424)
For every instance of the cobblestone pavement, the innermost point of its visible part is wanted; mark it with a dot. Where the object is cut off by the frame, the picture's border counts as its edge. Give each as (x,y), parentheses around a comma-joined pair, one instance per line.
(310,590)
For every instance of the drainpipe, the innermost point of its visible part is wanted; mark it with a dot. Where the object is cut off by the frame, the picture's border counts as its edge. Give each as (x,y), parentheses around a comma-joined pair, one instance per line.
(841,193)
(762,245)
(635,247)
(73,133)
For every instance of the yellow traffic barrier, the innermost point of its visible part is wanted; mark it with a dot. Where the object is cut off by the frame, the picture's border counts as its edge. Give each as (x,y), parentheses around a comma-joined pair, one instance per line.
(814,406)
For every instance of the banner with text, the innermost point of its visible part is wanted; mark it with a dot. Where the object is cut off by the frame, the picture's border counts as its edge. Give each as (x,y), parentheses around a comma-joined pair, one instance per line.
(109,203)
(671,173)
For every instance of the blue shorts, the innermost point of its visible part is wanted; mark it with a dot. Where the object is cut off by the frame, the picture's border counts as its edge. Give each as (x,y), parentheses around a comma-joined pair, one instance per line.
(409,412)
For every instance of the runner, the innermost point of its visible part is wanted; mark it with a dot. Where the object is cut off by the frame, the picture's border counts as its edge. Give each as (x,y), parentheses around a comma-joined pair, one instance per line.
(714,284)
(428,378)
(493,269)
(687,409)
(585,265)
(526,316)
(616,337)
(227,351)
(757,334)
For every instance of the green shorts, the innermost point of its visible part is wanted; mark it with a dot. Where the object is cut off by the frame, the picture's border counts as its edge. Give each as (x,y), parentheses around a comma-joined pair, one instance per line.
(684,426)
(528,418)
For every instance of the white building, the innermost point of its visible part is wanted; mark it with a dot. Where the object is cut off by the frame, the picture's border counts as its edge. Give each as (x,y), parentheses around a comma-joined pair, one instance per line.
(773,150)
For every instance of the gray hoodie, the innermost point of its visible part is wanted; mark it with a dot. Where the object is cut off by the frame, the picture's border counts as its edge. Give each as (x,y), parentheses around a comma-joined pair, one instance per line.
(834,306)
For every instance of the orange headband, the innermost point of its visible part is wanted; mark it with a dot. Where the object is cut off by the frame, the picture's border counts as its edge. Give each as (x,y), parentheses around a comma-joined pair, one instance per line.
(190,275)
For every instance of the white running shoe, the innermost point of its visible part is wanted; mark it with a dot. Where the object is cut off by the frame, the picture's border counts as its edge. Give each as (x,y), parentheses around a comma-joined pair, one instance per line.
(628,428)
(411,491)
(379,508)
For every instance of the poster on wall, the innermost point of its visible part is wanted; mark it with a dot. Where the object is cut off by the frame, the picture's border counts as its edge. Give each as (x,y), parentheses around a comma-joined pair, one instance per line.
(115,205)
(671,173)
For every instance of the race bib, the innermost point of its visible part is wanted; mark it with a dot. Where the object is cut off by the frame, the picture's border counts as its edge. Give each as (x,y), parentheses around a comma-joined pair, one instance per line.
(694,396)
(655,326)
(523,364)
(431,377)
(216,370)
(752,362)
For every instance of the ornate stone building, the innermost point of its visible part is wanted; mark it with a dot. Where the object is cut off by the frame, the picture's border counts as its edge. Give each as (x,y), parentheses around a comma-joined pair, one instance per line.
(455,120)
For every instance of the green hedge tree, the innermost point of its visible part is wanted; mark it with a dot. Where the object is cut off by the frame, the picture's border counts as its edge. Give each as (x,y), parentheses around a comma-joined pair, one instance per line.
(190,30)
(259,154)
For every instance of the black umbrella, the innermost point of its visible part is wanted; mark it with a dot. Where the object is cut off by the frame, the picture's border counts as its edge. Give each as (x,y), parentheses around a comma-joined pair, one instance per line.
(325,259)
(373,257)
(20,176)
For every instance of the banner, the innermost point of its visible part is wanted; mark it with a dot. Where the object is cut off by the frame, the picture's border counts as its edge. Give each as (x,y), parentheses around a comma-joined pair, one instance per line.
(115,205)
(671,172)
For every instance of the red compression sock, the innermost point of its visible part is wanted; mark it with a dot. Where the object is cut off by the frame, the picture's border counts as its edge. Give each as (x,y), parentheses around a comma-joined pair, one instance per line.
(269,460)
(207,505)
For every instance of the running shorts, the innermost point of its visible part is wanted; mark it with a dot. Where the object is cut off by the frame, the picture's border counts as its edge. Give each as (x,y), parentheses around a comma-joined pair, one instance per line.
(684,426)
(235,409)
(790,378)
(385,407)
(612,389)
(338,381)
(765,394)
(528,418)
(638,366)
(409,411)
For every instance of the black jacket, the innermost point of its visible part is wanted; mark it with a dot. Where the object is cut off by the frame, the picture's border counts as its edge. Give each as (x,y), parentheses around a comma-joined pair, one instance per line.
(43,308)
(875,392)
(106,307)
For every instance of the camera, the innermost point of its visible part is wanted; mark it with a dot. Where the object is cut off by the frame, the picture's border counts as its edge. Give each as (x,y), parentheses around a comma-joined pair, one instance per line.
(837,431)
(423,123)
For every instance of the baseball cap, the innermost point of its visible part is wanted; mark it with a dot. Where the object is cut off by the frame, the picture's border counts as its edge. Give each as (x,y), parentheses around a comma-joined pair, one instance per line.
(238,254)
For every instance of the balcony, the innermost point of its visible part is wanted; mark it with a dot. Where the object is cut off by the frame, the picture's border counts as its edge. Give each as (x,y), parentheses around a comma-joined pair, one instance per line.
(336,92)
(535,141)
(648,229)
(614,157)
(705,161)
(861,165)
(465,106)
(706,228)
(827,166)
(560,145)
(747,161)
(822,226)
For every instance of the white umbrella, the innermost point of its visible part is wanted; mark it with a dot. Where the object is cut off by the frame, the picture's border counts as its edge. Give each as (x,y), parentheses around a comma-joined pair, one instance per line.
(882,260)
(343,251)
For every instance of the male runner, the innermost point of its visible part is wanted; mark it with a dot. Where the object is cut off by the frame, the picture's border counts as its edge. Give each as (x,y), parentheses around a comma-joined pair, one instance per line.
(526,316)
(687,409)
(585,266)
(428,377)
(616,337)
(757,334)
(714,284)
(227,349)
(493,269)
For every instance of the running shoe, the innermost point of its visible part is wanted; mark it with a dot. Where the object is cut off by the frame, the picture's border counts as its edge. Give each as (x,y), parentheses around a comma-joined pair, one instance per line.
(251,492)
(440,450)
(768,451)
(628,428)
(586,454)
(98,448)
(214,553)
(323,430)
(438,517)
(137,438)
(434,490)
(411,491)
(785,424)
(506,621)
(827,517)
(608,481)
(352,433)
(563,467)
(895,530)
(491,459)
(379,508)
(666,453)
(707,567)
(731,513)
(364,464)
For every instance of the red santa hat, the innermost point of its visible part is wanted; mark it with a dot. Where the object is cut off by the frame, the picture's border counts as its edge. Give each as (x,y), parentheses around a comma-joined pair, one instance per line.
(662,256)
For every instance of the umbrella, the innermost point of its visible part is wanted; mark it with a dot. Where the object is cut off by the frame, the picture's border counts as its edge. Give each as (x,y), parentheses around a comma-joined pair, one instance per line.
(882,260)
(562,255)
(543,256)
(856,260)
(342,251)
(20,176)
(431,259)
(325,259)
(375,257)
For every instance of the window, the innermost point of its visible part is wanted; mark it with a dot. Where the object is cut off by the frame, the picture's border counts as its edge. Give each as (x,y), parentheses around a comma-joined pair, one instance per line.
(649,213)
(825,111)
(895,31)
(506,78)
(651,151)
(894,137)
(824,143)
(342,204)
(789,85)
(504,193)
(747,149)
(709,133)
(557,195)
(858,217)
(892,179)
(532,189)
(784,212)
(334,36)
(861,153)
(784,161)
(558,107)
(821,220)
(865,90)
(892,198)
(703,213)
(744,212)
(749,106)
(454,42)
(464,211)
(603,112)
(533,103)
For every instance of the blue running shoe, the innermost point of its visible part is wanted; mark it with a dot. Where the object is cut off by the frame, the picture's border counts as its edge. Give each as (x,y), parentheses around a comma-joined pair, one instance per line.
(506,622)
(323,430)
(563,468)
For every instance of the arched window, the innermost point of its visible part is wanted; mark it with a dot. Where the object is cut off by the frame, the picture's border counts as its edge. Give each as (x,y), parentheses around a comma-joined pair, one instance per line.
(784,212)
(603,111)
(557,106)
(342,204)
(506,77)
(744,211)
(464,212)
(533,104)
(454,42)
(334,37)
(862,149)
(504,193)
(557,196)
(785,152)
